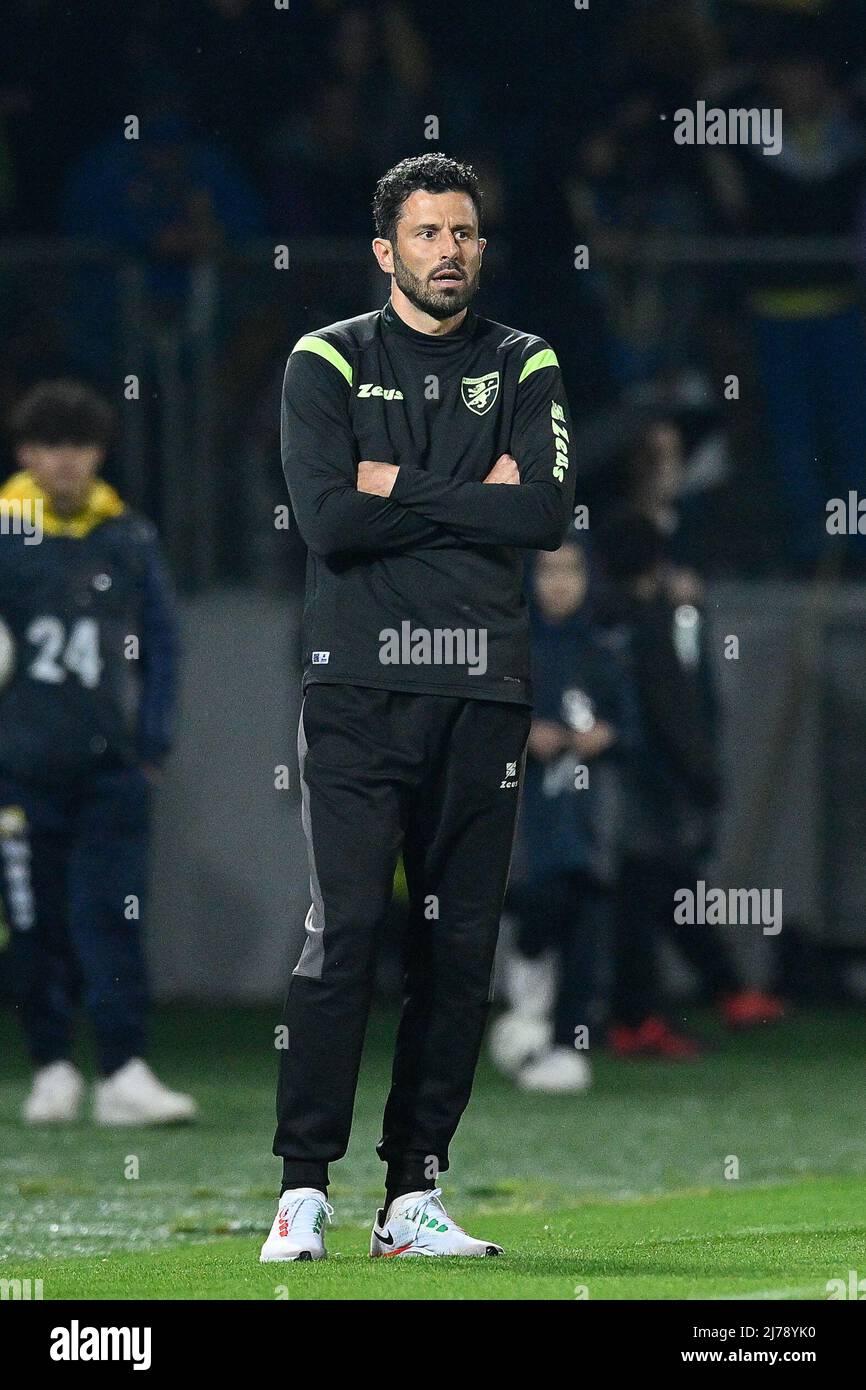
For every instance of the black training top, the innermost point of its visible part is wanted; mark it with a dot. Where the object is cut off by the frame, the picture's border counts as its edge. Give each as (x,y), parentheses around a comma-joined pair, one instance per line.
(423,591)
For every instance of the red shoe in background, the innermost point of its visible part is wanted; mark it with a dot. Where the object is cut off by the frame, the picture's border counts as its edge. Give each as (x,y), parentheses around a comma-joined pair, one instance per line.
(654,1038)
(749,1008)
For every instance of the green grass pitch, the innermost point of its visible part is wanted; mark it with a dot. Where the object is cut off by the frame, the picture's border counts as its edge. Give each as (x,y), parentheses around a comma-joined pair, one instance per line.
(620,1194)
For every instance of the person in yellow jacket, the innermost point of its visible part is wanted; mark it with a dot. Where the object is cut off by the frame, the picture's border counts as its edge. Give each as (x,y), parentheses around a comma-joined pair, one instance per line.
(88,661)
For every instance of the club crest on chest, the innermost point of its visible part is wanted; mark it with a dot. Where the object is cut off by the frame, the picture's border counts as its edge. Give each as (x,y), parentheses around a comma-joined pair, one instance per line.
(480,392)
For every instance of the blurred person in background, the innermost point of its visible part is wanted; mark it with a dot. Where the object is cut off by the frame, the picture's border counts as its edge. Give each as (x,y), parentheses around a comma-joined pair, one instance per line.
(321,169)
(628,182)
(583,727)
(653,478)
(166,197)
(374,88)
(806,317)
(160,192)
(674,800)
(86,711)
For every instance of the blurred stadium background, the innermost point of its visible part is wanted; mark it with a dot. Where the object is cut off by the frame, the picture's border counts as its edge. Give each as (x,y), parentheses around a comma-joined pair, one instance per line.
(154,259)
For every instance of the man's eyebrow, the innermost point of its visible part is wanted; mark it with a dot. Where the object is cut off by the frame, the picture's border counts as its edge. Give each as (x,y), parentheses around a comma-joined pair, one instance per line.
(434,226)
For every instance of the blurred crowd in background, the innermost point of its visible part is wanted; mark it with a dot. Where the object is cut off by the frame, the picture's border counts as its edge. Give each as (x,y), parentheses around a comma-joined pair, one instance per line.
(261,126)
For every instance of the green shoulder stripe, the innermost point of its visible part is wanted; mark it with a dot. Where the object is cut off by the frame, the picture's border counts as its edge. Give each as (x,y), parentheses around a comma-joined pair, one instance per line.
(545,358)
(310,343)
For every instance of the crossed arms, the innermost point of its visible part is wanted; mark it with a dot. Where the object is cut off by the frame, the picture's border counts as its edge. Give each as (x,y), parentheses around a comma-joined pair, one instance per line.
(373,507)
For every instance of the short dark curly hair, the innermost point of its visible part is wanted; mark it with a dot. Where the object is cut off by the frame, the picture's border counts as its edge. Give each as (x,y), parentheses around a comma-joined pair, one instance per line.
(435,173)
(62,412)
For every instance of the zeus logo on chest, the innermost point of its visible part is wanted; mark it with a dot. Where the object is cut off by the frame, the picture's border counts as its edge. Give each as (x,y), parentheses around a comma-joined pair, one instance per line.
(388,393)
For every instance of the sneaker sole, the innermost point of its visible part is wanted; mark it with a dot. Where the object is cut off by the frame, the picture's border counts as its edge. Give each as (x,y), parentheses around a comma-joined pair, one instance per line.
(290,1259)
(406,1254)
(50,1120)
(140,1122)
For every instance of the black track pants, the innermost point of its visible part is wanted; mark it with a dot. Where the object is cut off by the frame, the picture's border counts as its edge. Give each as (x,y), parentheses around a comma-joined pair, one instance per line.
(438,777)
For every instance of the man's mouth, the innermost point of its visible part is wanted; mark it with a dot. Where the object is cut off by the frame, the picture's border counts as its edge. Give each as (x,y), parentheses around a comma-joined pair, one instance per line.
(447,277)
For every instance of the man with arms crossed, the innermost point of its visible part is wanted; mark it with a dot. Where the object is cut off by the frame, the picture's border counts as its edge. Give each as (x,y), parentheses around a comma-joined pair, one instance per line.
(424,448)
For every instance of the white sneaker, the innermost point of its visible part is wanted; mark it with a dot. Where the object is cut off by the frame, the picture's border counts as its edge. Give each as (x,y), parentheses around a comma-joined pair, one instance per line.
(516,1038)
(298,1225)
(134,1096)
(418,1224)
(55,1096)
(559,1071)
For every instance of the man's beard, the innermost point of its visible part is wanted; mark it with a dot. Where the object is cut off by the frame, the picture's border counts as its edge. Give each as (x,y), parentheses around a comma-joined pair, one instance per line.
(439,304)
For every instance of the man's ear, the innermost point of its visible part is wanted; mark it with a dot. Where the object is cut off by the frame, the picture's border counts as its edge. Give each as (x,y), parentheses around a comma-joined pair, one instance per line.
(384,253)
(482,242)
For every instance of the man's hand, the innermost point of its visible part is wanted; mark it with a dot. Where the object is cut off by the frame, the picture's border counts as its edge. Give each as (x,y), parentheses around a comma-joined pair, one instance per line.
(547,739)
(593,742)
(504,470)
(376,478)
